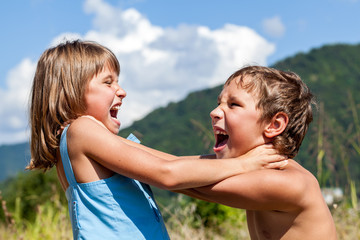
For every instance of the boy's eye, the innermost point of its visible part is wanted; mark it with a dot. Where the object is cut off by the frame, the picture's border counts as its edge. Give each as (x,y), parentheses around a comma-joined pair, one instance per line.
(234,104)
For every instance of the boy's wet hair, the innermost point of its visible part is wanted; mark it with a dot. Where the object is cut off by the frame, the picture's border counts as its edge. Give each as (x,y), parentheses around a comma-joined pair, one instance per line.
(58,93)
(279,91)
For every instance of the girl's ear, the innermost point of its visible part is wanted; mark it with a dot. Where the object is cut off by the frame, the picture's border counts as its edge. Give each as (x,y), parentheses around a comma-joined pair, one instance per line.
(277,125)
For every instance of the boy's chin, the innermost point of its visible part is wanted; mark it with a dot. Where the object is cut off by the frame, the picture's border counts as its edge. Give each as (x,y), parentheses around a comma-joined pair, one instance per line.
(222,155)
(228,154)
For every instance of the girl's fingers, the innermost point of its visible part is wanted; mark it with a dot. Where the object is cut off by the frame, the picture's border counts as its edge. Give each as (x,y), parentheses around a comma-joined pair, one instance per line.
(277,165)
(275,157)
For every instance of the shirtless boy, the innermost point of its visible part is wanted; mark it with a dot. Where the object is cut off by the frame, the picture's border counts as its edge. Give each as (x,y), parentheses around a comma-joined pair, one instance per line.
(259,105)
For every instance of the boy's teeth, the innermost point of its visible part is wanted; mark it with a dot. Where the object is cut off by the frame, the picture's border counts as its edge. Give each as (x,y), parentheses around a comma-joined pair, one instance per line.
(220,132)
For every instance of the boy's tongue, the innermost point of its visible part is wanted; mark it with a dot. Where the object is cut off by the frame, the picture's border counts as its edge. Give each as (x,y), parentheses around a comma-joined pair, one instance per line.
(221,141)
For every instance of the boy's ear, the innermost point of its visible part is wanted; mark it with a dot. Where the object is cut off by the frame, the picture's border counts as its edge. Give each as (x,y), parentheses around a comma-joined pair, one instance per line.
(277,125)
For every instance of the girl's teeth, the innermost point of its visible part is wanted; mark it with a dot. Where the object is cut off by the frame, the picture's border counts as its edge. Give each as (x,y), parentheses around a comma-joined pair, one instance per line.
(115,108)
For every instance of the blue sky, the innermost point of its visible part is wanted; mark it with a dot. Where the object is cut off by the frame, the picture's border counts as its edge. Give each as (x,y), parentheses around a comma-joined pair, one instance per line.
(166,48)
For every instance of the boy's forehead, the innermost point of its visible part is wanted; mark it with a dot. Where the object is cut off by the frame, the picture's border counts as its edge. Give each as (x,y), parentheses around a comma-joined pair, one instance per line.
(229,90)
(236,87)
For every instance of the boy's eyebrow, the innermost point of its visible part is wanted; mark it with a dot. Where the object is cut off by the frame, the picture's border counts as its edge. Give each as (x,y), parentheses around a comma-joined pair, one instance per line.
(233,98)
(237,100)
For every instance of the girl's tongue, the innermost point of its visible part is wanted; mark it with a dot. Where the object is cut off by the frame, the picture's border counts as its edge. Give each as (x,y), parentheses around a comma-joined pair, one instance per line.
(113,113)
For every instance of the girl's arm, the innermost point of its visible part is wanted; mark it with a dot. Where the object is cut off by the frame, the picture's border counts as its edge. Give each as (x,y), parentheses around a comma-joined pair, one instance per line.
(86,138)
(165,155)
(263,156)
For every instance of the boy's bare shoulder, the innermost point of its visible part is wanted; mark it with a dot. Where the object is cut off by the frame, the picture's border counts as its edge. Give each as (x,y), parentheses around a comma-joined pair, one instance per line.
(295,171)
(291,188)
(302,184)
(299,175)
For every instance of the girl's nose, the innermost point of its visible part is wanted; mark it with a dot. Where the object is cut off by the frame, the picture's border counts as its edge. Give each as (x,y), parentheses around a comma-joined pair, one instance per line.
(120,92)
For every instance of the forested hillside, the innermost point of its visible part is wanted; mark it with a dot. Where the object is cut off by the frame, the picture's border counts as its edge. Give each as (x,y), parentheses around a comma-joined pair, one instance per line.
(331,149)
(13,158)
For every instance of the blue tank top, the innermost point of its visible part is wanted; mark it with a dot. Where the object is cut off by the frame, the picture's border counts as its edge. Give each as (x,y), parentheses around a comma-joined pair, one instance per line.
(114,208)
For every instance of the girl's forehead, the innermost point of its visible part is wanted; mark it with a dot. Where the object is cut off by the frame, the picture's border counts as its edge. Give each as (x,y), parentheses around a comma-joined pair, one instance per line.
(106,69)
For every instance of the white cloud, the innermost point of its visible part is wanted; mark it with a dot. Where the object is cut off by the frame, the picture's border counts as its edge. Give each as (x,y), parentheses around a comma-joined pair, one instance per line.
(14,103)
(274,27)
(158,65)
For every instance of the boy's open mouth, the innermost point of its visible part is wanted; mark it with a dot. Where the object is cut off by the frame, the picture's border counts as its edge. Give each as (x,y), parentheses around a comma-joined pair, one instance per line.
(221,138)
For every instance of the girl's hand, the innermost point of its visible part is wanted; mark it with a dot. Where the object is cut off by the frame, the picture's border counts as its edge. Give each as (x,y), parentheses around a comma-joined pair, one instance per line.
(263,157)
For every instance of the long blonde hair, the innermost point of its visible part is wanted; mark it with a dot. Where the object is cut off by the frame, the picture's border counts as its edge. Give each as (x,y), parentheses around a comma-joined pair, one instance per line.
(57,94)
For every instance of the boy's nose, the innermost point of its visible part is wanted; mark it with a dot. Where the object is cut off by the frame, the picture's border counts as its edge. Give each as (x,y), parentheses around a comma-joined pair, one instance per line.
(216,113)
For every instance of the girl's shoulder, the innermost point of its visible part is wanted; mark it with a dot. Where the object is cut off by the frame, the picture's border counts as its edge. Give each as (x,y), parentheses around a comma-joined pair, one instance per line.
(85,123)
(84,129)
(86,120)
(86,140)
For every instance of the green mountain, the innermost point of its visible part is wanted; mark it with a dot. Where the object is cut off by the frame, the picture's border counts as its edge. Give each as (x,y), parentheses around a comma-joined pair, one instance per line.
(331,149)
(13,158)
(333,74)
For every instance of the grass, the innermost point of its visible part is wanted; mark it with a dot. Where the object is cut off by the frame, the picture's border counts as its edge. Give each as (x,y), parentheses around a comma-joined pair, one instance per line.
(52,223)
(183,223)
(347,221)
(52,219)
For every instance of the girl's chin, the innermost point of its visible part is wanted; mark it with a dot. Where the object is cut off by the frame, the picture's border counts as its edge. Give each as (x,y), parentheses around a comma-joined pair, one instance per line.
(116,121)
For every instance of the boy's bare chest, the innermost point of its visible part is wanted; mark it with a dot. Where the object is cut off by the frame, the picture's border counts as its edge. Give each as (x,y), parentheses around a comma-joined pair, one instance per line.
(270,224)
(292,225)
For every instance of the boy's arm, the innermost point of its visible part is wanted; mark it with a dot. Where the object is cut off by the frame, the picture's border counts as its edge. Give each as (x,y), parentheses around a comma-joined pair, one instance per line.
(268,189)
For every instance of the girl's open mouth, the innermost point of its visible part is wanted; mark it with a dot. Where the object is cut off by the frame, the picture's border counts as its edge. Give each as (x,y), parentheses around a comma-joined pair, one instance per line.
(114,111)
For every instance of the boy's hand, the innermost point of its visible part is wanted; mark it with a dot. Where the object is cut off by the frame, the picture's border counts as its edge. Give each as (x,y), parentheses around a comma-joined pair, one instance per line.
(263,157)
